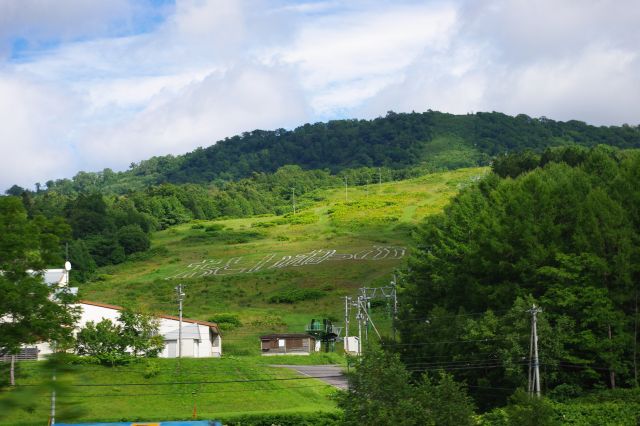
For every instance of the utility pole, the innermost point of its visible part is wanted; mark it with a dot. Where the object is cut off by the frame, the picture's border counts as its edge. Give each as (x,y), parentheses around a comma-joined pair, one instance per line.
(12,368)
(180,292)
(346,323)
(293,197)
(52,415)
(346,193)
(395,305)
(534,376)
(359,316)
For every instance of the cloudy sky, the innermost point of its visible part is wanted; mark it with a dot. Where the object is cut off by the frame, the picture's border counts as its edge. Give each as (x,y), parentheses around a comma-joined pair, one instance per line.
(89,84)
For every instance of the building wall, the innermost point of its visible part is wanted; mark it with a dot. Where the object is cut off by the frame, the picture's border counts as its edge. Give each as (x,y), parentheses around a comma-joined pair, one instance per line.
(202,344)
(287,346)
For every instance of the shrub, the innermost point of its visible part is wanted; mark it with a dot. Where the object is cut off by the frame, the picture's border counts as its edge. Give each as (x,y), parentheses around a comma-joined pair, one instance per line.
(527,410)
(293,295)
(226,321)
(215,227)
(133,239)
(288,419)
(269,224)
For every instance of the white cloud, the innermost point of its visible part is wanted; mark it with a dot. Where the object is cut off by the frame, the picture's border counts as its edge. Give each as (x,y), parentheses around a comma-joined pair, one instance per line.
(222,104)
(567,60)
(110,91)
(34,132)
(38,21)
(347,58)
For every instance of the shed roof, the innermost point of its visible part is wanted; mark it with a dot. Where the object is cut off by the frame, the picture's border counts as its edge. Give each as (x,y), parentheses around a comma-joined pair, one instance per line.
(171,317)
(286,336)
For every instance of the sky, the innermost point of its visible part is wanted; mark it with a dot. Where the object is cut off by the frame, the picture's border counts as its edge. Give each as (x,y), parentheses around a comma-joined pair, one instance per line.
(94,84)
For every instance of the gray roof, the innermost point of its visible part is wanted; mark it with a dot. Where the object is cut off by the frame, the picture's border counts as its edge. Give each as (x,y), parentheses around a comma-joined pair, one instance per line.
(286,336)
(189,331)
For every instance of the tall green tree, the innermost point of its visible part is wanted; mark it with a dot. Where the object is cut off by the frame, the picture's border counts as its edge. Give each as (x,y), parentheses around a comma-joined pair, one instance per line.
(381,392)
(30,310)
(565,235)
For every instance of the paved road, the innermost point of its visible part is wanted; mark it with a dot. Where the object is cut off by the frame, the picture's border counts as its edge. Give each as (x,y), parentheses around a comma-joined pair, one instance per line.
(331,374)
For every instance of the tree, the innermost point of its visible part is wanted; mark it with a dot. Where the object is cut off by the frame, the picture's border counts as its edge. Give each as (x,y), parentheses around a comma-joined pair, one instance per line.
(446,400)
(528,410)
(102,341)
(133,239)
(133,335)
(30,310)
(140,334)
(381,393)
(83,264)
(563,235)
(15,190)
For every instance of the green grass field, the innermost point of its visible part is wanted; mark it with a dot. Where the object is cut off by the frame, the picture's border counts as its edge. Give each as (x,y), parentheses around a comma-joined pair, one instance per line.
(149,390)
(286,298)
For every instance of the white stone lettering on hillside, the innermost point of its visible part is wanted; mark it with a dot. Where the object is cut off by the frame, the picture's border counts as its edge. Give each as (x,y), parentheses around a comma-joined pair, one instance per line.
(238,265)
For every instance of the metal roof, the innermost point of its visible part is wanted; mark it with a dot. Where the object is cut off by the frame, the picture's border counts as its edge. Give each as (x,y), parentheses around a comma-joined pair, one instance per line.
(286,336)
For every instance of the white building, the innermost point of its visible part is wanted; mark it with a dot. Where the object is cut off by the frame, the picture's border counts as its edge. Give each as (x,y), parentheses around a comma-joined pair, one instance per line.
(200,339)
(351,345)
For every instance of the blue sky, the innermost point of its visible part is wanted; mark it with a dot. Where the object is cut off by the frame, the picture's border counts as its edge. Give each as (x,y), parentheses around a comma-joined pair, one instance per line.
(86,85)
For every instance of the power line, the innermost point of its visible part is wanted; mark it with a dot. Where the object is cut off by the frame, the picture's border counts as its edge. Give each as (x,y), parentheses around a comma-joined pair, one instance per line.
(217,382)
(194,392)
(433,318)
(444,342)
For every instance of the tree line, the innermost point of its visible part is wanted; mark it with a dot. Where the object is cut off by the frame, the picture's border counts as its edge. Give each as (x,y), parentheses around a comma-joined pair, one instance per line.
(558,229)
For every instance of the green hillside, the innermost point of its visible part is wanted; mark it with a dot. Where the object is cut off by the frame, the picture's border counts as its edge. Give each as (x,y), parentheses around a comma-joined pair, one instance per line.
(275,273)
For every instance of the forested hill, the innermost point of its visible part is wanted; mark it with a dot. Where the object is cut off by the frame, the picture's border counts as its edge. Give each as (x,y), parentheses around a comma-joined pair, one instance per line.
(394,141)
(432,140)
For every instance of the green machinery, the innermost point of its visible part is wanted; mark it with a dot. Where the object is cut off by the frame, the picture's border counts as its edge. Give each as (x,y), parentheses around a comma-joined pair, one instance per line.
(325,332)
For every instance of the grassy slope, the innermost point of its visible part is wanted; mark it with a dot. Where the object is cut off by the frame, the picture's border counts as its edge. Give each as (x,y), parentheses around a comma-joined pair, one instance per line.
(374,215)
(158,401)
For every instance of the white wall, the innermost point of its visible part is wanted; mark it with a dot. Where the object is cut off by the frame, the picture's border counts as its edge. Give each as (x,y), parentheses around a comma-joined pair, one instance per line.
(196,338)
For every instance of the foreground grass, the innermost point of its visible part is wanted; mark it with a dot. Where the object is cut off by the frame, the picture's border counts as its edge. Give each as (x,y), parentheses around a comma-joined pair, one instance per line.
(166,389)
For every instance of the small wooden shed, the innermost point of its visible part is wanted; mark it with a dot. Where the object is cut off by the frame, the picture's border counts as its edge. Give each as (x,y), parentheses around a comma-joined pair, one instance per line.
(287,344)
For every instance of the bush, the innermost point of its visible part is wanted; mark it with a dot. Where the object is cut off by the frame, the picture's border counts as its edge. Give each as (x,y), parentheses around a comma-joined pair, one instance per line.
(303,218)
(289,419)
(133,239)
(227,237)
(215,227)
(269,224)
(149,254)
(293,295)
(226,321)
(527,410)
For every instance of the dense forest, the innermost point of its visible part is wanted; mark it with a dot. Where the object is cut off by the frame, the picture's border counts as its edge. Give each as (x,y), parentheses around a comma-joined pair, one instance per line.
(559,230)
(430,140)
